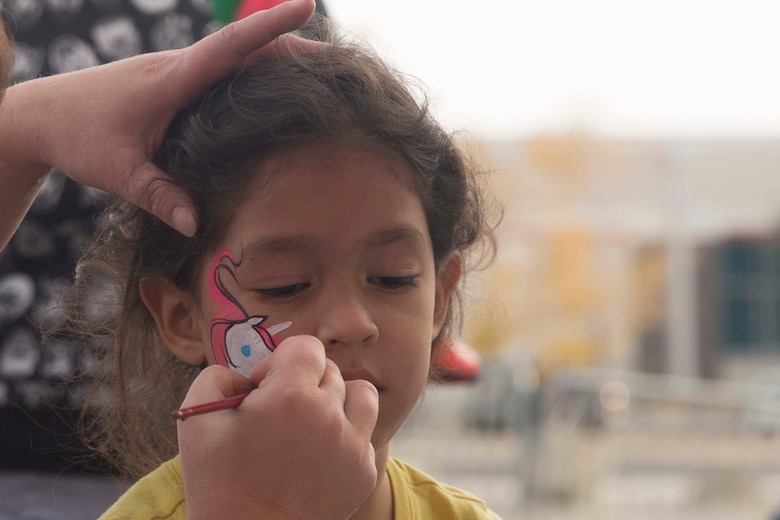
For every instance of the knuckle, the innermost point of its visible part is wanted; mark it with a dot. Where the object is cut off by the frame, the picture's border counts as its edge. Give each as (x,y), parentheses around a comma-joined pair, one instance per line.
(228,33)
(212,372)
(296,399)
(210,376)
(307,348)
(332,366)
(160,67)
(165,62)
(153,195)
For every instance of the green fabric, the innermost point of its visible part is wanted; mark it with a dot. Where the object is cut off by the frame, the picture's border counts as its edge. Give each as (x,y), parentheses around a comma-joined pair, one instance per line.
(224,10)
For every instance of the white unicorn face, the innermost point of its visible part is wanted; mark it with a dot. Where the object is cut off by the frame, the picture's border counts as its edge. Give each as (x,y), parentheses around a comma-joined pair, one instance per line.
(245,345)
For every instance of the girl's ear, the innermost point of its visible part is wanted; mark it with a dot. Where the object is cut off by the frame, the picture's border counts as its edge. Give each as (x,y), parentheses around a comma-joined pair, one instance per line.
(446,280)
(175,314)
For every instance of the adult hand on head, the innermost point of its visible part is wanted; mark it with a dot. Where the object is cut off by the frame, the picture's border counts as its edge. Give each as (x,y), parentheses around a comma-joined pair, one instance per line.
(298,446)
(102,126)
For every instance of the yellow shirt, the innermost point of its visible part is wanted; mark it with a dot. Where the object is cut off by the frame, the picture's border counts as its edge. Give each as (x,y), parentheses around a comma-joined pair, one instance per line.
(416,496)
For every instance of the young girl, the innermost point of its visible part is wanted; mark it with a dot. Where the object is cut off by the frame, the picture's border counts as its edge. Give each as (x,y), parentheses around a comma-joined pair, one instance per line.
(336,219)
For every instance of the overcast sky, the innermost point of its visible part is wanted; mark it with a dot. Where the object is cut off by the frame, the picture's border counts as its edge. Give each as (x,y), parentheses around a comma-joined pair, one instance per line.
(510,68)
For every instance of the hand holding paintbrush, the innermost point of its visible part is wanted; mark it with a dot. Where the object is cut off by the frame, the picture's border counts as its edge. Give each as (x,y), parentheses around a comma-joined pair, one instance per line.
(301,418)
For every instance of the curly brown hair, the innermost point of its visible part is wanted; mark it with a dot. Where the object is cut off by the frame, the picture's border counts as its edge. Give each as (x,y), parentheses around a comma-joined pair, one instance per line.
(337,92)
(6,54)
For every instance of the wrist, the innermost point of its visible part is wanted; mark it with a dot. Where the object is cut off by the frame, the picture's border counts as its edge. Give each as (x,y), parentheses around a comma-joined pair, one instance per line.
(22,120)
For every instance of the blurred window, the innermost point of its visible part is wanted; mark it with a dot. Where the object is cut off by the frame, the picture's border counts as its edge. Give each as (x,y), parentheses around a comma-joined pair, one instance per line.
(749,290)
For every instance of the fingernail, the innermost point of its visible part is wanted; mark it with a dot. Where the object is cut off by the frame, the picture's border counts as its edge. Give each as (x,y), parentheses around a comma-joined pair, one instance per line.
(183,221)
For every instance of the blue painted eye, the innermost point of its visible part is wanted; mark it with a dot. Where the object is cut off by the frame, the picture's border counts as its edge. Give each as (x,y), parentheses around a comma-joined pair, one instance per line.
(246,350)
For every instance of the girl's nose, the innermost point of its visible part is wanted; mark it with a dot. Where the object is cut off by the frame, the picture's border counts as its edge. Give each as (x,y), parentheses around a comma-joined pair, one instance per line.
(346,322)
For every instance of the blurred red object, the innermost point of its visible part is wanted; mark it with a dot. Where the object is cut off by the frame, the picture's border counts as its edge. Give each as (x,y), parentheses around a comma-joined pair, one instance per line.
(455,360)
(248,7)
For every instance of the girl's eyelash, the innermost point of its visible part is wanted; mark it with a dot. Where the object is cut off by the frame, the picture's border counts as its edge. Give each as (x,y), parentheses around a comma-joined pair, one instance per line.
(394,282)
(385,282)
(285,291)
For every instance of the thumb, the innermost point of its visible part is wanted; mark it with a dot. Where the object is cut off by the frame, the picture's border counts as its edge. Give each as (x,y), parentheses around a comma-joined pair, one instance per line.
(361,406)
(153,190)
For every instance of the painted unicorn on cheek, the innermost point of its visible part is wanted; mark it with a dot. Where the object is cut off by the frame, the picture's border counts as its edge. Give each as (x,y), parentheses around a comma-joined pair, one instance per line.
(237,340)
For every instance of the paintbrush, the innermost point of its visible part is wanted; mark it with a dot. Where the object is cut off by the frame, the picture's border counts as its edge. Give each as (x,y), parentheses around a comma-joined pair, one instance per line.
(222,404)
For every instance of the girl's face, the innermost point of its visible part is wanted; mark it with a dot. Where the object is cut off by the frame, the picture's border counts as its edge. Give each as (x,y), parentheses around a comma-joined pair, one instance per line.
(334,240)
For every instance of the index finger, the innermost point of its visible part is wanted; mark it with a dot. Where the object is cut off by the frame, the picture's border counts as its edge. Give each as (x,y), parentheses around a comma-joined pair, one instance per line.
(297,358)
(218,54)
(214,383)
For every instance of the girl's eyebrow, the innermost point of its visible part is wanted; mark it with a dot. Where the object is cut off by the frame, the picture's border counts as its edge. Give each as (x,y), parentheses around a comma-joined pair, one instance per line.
(306,243)
(392,235)
(282,244)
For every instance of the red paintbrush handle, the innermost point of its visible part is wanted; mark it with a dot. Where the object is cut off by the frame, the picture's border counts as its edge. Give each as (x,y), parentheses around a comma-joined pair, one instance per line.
(223,404)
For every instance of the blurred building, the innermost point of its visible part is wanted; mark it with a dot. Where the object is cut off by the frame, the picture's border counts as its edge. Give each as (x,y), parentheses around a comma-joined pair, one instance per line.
(659,256)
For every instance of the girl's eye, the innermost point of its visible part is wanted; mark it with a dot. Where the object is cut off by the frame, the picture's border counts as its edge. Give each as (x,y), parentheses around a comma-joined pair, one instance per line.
(286,291)
(393,282)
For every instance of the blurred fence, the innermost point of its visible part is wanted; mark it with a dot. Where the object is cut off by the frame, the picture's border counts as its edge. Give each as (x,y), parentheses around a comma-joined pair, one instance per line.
(592,443)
